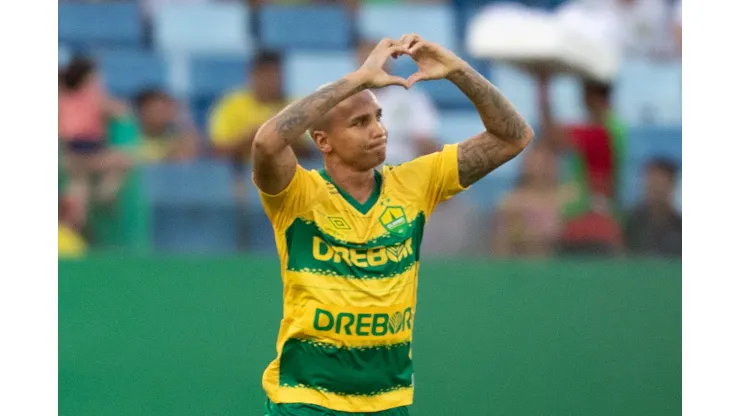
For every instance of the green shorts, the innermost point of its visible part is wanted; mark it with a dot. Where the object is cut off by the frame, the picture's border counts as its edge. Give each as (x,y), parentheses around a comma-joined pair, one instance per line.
(299,409)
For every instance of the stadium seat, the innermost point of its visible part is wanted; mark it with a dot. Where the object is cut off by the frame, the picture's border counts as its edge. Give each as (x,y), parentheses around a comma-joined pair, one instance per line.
(648,142)
(304,71)
(207,28)
(64,55)
(455,126)
(304,27)
(649,92)
(204,182)
(445,95)
(211,77)
(434,22)
(193,209)
(127,72)
(93,25)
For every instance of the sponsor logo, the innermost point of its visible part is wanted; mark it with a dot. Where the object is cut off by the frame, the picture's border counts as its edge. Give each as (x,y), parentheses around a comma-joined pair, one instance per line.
(371,257)
(363,324)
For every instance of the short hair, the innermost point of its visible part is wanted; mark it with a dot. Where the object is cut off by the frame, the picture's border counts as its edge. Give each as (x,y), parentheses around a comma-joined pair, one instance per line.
(665,165)
(75,73)
(266,57)
(150,94)
(602,89)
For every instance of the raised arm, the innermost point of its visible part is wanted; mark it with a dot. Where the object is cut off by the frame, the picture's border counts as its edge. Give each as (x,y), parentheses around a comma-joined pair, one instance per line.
(273,161)
(506,132)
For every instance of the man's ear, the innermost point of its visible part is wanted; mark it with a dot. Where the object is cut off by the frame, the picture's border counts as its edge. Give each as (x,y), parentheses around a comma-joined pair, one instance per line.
(321,139)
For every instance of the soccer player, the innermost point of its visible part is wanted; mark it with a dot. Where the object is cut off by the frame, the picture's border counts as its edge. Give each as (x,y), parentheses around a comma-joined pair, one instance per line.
(348,236)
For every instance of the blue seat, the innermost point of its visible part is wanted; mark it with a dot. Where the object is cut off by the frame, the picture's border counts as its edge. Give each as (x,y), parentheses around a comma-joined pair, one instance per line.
(127,72)
(91,25)
(208,28)
(434,22)
(455,126)
(304,72)
(649,92)
(649,142)
(306,27)
(194,229)
(64,56)
(211,77)
(199,183)
(193,208)
(446,96)
(261,236)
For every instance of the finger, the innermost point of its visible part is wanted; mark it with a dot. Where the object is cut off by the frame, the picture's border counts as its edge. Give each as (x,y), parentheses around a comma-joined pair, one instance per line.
(396,51)
(409,40)
(418,46)
(393,80)
(414,78)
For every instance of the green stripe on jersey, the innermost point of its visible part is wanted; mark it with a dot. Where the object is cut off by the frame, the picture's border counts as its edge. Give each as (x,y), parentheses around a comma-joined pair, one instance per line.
(365,371)
(311,250)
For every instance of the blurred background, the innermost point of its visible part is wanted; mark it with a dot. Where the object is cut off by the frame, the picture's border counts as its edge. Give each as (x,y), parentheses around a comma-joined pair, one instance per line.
(169,295)
(159,100)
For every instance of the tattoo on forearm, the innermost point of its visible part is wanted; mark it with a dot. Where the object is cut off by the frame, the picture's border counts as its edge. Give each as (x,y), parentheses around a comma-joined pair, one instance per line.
(478,156)
(295,119)
(498,114)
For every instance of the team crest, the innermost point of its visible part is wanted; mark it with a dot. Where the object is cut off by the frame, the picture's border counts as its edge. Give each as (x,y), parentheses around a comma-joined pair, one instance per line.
(394,220)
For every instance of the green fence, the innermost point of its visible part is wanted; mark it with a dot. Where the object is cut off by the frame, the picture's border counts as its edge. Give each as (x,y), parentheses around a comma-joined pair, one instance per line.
(191,336)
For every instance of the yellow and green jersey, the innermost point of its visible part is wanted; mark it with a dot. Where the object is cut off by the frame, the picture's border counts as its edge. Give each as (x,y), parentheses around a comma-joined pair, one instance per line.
(349,284)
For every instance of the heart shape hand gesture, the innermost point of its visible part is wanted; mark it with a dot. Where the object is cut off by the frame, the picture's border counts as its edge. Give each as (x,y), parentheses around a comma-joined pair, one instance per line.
(433,60)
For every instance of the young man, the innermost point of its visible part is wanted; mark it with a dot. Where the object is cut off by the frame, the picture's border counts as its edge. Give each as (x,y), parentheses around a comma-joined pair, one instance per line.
(348,236)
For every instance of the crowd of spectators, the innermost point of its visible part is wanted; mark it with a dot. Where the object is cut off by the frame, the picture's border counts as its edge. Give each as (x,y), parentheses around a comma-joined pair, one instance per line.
(547,213)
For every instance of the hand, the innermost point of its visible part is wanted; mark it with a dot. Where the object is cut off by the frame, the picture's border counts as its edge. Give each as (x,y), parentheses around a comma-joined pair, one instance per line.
(372,72)
(433,60)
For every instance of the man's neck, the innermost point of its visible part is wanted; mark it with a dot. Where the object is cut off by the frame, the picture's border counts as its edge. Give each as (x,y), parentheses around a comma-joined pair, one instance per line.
(359,184)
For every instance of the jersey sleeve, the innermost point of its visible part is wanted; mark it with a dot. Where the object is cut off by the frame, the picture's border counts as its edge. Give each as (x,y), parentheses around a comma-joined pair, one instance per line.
(433,178)
(283,207)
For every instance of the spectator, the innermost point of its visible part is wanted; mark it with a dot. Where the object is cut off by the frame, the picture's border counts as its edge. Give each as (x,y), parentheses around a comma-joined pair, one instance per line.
(84,110)
(678,26)
(527,221)
(409,116)
(654,227)
(594,152)
(167,134)
(237,116)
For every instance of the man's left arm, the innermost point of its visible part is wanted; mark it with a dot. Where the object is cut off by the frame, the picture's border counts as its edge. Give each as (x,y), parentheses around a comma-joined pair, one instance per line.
(506,132)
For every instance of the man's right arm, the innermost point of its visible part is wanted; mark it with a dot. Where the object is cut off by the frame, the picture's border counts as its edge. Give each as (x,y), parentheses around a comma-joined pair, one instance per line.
(273,160)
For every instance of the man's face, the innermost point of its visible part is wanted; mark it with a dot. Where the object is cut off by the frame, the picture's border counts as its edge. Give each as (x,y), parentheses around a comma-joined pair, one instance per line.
(659,185)
(158,114)
(267,82)
(353,132)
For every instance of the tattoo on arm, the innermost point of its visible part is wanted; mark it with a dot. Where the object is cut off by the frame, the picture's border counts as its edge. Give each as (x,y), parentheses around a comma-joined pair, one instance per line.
(295,119)
(498,115)
(506,135)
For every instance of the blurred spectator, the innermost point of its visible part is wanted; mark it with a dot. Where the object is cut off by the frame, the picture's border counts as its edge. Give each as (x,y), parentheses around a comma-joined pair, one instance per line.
(236,117)
(84,110)
(527,222)
(69,241)
(409,116)
(595,153)
(638,27)
(653,228)
(167,133)
(678,26)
